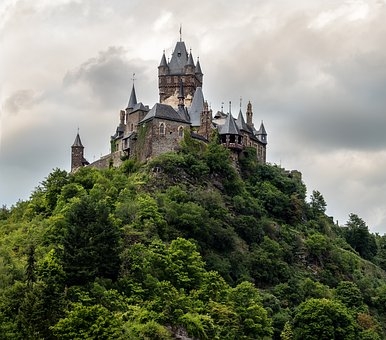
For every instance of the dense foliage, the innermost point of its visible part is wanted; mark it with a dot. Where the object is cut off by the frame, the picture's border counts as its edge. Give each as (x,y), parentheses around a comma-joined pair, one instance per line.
(188,245)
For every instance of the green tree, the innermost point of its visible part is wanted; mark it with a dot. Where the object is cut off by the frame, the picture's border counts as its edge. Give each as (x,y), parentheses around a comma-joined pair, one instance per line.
(358,236)
(323,319)
(318,204)
(89,322)
(90,242)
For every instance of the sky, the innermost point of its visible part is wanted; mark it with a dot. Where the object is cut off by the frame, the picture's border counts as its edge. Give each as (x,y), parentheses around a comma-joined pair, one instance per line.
(314,71)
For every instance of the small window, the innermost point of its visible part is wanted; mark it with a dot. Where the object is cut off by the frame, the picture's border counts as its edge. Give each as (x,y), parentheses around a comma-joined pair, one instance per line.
(162,129)
(180,132)
(131,127)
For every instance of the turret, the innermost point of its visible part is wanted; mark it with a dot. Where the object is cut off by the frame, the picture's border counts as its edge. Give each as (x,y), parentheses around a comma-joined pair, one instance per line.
(189,67)
(163,67)
(262,134)
(198,71)
(132,100)
(249,114)
(180,66)
(230,134)
(77,158)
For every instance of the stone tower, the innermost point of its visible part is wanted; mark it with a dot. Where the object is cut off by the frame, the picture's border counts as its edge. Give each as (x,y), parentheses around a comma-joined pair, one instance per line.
(77,157)
(249,114)
(181,67)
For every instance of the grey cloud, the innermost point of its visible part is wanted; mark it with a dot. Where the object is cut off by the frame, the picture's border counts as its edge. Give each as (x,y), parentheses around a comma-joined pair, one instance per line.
(19,100)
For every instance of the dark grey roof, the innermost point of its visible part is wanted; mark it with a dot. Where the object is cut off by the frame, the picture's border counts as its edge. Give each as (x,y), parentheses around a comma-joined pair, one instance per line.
(197,107)
(199,137)
(183,112)
(179,59)
(241,123)
(198,67)
(140,106)
(133,99)
(77,141)
(261,134)
(190,60)
(163,111)
(262,129)
(163,60)
(229,127)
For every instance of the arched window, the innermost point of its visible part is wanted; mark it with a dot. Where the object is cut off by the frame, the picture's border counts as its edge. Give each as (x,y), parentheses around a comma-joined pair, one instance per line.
(162,129)
(180,132)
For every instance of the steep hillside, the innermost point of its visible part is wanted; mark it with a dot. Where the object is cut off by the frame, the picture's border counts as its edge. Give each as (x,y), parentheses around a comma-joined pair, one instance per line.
(183,247)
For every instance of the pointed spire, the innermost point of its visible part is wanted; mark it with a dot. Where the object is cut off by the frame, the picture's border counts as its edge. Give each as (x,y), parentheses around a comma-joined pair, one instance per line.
(198,67)
(262,133)
(229,127)
(77,142)
(133,98)
(241,122)
(190,59)
(163,62)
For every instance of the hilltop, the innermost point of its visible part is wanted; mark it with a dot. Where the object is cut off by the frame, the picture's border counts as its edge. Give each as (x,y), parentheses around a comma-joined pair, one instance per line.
(187,246)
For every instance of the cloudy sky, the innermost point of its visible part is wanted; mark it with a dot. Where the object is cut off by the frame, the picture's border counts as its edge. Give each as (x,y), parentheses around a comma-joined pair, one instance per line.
(315,72)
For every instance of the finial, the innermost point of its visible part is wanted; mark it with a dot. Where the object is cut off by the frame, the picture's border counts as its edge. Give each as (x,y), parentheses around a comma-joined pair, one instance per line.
(230,107)
(241,101)
(180,32)
(78,130)
(222,106)
(133,79)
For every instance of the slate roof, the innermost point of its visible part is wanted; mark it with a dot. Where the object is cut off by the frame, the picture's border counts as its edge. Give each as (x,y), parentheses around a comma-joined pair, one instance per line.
(196,107)
(163,60)
(163,111)
(229,127)
(179,59)
(198,68)
(190,60)
(241,123)
(140,106)
(261,134)
(77,141)
(133,99)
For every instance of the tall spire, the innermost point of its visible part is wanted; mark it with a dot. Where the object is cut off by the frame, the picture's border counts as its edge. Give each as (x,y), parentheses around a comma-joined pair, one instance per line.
(133,97)
(163,62)
(77,142)
(198,67)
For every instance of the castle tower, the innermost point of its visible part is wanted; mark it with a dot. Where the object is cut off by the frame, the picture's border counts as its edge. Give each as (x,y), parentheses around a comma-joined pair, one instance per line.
(205,128)
(249,114)
(181,66)
(77,157)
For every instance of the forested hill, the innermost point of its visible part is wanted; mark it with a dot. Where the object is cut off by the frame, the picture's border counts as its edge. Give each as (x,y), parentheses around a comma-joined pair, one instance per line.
(185,247)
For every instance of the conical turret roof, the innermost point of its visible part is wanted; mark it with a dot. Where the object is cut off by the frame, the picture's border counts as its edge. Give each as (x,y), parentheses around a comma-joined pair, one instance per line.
(133,99)
(229,127)
(163,61)
(241,122)
(198,67)
(77,142)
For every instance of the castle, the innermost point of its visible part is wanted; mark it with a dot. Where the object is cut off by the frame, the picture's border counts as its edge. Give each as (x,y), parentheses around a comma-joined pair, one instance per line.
(145,133)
